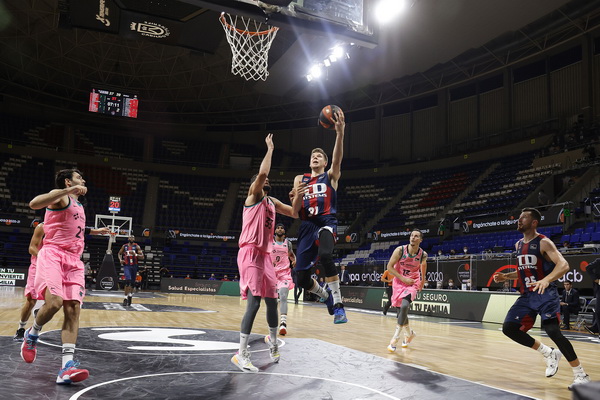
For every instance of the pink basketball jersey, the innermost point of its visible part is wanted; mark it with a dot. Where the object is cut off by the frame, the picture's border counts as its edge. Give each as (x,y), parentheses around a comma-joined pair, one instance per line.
(280,258)
(408,266)
(258,225)
(65,227)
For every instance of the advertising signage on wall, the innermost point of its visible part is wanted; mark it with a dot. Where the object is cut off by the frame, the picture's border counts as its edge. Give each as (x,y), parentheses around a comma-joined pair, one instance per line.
(552,216)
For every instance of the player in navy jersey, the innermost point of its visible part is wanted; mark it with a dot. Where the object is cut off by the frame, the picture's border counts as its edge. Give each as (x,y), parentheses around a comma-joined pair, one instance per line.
(539,265)
(317,209)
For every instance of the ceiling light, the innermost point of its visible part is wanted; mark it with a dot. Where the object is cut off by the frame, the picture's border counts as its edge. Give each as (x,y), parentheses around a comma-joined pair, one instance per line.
(337,52)
(316,71)
(387,10)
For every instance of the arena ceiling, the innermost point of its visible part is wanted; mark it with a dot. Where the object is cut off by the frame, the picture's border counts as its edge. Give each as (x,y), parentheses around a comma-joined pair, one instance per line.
(435,44)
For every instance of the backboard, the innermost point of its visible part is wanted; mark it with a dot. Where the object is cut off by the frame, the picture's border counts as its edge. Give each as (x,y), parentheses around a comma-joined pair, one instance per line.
(347,20)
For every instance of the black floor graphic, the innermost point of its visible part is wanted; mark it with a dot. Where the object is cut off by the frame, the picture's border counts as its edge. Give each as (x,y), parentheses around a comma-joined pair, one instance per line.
(121,294)
(140,307)
(175,363)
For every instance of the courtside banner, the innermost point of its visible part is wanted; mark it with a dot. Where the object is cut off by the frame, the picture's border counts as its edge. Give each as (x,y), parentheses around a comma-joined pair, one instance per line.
(455,304)
(359,297)
(13,276)
(199,286)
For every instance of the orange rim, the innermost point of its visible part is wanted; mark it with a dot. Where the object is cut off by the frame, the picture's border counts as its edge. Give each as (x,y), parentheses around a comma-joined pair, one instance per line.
(243,32)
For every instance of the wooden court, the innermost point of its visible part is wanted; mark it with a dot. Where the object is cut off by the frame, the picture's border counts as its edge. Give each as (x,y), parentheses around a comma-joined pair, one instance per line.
(471,351)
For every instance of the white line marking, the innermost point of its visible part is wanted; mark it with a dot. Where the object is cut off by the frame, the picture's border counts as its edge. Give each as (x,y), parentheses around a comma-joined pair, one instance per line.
(81,392)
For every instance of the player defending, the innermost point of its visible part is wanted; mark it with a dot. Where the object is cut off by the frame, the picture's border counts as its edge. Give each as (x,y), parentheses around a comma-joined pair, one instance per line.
(60,279)
(283,260)
(540,264)
(408,265)
(30,295)
(316,205)
(132,253)
(257,275)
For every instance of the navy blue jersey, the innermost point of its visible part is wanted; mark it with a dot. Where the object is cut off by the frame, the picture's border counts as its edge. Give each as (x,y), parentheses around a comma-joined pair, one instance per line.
(532,266)
(321,198)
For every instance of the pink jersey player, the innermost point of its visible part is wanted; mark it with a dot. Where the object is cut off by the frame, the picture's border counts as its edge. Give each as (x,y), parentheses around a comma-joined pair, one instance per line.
(254,262)
(281,261)
(408,266)
(63,272)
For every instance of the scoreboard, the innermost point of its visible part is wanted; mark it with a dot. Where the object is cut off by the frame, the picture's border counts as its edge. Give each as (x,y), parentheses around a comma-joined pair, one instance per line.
(113,102)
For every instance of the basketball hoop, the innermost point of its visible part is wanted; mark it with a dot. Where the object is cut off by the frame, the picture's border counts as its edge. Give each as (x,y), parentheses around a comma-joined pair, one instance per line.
(250,42)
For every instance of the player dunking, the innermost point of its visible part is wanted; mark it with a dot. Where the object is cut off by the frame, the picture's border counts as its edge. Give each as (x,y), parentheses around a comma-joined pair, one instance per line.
(30,295)
(129,255)
(316,204)
(257,275)
(60,277)
(540,264)
(408,265)
(283,260)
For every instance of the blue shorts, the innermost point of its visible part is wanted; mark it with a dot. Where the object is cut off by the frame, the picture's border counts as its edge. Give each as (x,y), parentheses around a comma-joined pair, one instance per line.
(531,304)
(130,272)
(308,237)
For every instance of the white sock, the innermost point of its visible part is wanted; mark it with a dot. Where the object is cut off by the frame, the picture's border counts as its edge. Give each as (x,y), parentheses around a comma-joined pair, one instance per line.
(335,290)
(284,318)
(35,329)
(319,291)
(578,370)
(130,295)
(68,351)
(545,350)
(22,324)
(244,342)
(273,334)
(397,332)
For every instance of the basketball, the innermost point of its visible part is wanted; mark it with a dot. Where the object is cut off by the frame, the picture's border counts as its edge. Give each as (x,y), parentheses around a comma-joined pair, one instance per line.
(327,116)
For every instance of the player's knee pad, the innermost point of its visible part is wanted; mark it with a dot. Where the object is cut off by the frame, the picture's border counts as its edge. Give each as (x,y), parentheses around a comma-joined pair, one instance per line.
(513,331)
(328,265)
(304,279)
(510,329)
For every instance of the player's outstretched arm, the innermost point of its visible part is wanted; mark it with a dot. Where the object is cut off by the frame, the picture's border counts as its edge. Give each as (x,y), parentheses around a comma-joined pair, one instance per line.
(255,190)
(283,209)
(56,196)
(335,172)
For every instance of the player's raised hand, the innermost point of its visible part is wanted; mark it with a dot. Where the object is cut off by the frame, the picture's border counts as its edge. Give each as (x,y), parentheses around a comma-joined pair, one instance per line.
(499,277)
(269,141)
(340,121)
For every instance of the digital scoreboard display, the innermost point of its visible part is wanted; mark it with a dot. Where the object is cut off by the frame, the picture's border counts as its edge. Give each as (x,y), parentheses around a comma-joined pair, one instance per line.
(113,102)
(114,204)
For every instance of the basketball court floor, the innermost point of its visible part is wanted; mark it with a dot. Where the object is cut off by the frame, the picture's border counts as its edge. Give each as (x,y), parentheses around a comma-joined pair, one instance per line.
(176,346)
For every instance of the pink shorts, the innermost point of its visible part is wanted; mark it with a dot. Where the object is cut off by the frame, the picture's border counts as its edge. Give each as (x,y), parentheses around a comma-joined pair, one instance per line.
(284,279)
(61,272)
(30,286)
(257,273)
(402,290)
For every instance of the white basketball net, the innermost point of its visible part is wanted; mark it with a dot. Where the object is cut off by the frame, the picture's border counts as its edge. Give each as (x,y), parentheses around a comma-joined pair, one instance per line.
(250,42)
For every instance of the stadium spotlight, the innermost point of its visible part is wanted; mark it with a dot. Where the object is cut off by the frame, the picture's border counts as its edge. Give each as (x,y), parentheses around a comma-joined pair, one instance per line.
(336,53)
(309,77)
(316,71)
(387,10)
(327,62)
